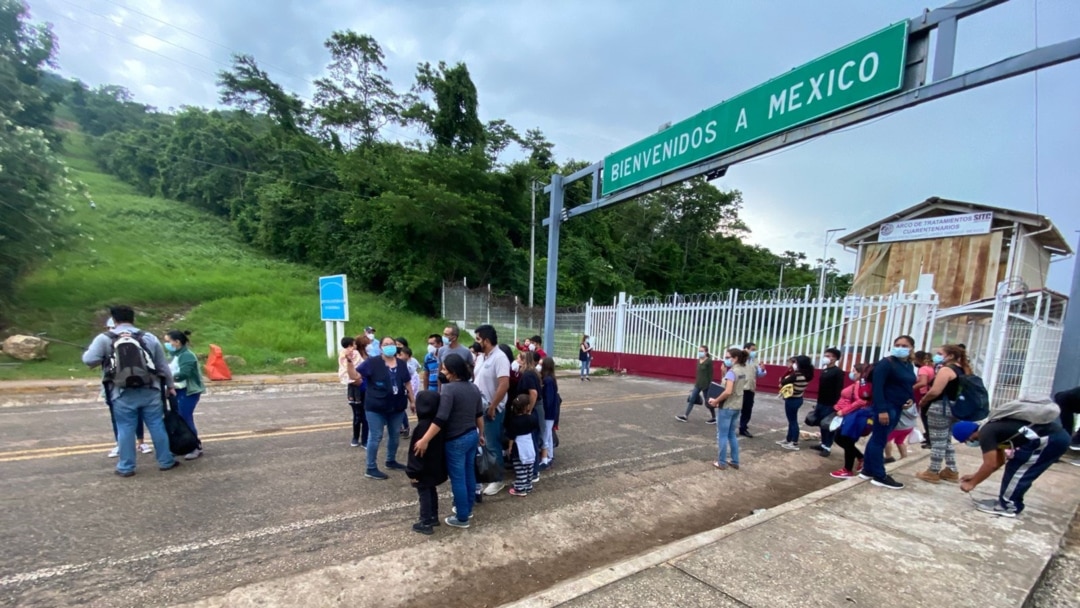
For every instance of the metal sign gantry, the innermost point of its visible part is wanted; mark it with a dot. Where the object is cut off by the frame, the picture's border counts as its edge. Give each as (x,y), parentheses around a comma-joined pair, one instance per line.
(913,91)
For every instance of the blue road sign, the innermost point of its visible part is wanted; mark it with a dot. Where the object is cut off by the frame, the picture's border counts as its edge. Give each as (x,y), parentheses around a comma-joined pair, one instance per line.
(334,298)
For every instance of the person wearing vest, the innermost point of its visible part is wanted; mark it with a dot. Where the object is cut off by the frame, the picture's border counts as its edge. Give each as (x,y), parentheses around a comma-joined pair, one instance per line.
(128,403)
(728,399)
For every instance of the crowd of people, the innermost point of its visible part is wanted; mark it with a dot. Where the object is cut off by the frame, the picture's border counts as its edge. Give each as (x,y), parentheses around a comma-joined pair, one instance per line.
(480,401)
(883,402)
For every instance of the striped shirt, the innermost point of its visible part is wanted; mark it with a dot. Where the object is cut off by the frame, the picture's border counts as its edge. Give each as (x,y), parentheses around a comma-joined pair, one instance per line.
(799,381)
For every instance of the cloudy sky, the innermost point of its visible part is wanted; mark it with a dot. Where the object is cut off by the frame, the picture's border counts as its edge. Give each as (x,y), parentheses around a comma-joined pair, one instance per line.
(596,76)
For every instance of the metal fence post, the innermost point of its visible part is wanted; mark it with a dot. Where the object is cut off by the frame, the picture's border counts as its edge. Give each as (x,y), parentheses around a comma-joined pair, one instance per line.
(620,323)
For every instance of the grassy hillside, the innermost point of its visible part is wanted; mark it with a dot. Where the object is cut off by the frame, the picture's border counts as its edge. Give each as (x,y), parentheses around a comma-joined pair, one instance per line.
(181,269)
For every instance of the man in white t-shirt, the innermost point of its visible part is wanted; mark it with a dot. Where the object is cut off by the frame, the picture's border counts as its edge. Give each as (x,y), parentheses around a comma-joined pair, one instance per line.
(492,377)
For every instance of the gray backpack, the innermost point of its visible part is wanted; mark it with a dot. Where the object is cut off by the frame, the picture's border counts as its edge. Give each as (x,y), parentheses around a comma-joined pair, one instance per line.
(129,365)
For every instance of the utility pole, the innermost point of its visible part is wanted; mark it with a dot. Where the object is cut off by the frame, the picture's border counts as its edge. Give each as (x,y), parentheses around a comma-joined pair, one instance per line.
(780,285)
(532,246)
(825,256)
(1067,373)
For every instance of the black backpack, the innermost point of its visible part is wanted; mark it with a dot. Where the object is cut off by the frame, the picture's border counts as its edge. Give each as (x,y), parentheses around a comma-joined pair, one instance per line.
(972,401)
(129,365)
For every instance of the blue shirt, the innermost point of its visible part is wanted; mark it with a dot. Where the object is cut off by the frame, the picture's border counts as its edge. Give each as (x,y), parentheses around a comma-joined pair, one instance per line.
(386,387)
(893,382)
(431,364)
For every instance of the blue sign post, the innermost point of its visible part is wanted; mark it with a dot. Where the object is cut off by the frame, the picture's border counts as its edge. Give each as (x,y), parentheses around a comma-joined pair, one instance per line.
(334,309)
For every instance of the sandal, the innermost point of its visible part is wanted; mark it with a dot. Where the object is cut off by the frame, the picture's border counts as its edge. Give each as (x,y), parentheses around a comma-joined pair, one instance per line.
(719,465)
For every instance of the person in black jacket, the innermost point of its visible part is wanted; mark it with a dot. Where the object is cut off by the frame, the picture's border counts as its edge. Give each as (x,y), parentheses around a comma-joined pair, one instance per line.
(830,384)
(1069,402)
(429,470)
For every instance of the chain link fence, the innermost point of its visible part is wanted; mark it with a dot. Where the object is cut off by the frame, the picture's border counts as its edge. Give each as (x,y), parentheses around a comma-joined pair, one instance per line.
(471,307)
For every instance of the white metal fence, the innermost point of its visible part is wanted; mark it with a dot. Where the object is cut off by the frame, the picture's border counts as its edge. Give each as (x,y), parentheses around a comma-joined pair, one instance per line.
(791,324)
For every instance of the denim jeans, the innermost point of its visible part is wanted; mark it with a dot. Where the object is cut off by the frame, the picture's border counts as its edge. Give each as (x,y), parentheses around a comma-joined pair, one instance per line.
(138,428)
(379,423)
(585,365)
(695,393)
(874,460)
(493,432)
(791,410)
(132,404)
(461,465)
(186,410)
(727,438)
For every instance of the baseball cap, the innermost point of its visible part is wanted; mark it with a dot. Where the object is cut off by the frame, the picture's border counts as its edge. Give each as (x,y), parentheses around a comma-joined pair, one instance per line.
(963,430)
(369,329)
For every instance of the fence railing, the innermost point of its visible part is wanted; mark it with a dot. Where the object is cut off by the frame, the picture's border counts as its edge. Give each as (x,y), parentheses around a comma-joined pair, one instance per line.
(861,326)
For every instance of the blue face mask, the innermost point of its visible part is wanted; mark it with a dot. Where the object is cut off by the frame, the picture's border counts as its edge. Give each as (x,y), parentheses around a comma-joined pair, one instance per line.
(938,359)
(853,376)
(753,354)
(700,354)
(901,352)
(389,350)
(728,362)
(169,347)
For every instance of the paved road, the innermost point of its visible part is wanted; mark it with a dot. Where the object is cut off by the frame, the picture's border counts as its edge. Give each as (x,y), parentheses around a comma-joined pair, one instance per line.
(280,493)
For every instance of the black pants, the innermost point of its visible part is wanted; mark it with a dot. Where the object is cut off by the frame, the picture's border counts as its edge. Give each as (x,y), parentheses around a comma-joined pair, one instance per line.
(925,422)
(851,452)
(747,410)
(1068,420)
(429,503)
(359,418)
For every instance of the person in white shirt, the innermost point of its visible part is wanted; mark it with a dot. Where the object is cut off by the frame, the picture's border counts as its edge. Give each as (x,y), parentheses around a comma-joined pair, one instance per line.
(492,377)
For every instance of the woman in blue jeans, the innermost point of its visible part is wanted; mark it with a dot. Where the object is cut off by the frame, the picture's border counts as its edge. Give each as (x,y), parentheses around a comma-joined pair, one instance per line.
(729,404)
(802,372)
(461,418)
(894,389)
(389,391)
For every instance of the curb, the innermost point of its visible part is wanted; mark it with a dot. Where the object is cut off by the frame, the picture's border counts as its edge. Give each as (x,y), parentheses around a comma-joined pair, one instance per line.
(605,575)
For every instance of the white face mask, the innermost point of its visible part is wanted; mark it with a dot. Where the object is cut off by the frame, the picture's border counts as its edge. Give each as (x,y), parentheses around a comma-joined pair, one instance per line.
(431,349)
(794,367)
(110,323)
(515,366)
(826,361)
(532,347)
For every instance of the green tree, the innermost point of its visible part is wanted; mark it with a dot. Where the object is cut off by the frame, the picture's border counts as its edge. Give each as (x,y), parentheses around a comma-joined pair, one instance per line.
(357,97)
(249,88)
(454,121)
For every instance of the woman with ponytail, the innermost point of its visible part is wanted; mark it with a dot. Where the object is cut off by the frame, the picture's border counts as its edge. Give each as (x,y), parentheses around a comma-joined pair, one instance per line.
(188,378)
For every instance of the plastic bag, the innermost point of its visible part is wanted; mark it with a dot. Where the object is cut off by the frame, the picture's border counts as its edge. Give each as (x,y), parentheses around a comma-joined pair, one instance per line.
(181,439)
(487,466)
(216,369)
(915,437)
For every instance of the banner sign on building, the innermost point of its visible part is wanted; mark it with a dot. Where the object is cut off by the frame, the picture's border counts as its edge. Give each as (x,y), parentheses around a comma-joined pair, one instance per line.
(936,227)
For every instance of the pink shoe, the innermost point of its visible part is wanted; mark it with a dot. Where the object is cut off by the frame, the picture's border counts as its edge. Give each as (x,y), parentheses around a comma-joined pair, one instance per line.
(514,492)
(842,474)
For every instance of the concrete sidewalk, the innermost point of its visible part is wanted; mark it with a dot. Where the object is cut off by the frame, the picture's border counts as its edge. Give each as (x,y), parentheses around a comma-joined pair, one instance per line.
(851,544)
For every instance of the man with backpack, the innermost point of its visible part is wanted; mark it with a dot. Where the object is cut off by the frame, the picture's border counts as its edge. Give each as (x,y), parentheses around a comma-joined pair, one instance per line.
(1024,436)
(136,379)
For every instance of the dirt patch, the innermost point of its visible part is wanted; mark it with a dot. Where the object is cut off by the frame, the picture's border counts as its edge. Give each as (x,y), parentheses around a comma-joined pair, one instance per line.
(1060,584)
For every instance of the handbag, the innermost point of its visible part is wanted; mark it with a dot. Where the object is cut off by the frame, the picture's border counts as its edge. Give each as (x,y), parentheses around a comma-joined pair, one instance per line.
(487,466)
(181,438)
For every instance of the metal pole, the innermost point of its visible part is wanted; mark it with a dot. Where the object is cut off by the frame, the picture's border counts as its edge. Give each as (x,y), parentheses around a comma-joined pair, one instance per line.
(552,284)
(532,247)
(1067,372)
(780,286)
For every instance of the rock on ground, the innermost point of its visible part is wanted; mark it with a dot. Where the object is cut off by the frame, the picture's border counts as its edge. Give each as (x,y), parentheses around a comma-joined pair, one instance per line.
(26,348)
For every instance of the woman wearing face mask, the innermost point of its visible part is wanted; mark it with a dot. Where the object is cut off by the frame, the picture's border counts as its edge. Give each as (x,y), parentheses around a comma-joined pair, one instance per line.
(702,379)
(802,372)
(854,406)
(189,383)
(389,392)
(730,402)
(894,382)
(954,363)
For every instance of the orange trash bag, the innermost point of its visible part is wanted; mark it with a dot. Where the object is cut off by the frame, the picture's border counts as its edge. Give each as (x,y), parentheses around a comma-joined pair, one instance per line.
(216,368)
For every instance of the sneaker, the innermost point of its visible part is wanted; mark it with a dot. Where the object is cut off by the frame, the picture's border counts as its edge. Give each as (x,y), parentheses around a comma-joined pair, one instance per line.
(193,455)
(395,466)
(680,418)
(536,478)
(454,522)
(890,460)
(1075,463)
(864,475)
(494,488)
(115,452)
(711,421)
(746,434)
(950,475)
(859,466)
(929,476)
(423,528)
(514,492)
(172,466)
(824,452)
(1074,447)
(478,498)
(354,444)
(887,482)
(545,466)
(376,474)
(125,473)
(842,474)
(994,507)
(734,465)
(781,442)
(794,447)
(145,449)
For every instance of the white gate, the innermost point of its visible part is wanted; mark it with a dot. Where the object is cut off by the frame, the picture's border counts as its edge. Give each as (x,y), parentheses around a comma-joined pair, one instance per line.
(781,324)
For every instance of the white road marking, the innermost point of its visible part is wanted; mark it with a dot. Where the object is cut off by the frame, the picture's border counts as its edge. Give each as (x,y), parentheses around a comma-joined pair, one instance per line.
(232,539)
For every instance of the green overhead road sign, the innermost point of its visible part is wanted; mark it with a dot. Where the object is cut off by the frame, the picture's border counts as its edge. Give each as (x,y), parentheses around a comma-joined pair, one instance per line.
(846,77)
